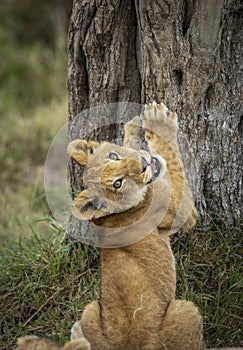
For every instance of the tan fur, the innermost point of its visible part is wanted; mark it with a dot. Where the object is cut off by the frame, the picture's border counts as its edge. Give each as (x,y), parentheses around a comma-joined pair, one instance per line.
(36,343)
(137,308)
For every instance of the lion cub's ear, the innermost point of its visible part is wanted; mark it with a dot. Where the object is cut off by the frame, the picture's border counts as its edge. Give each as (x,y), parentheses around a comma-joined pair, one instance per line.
(80,150)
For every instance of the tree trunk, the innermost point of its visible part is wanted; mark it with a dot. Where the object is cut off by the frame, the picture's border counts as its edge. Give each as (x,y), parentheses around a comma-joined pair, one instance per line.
(185,53)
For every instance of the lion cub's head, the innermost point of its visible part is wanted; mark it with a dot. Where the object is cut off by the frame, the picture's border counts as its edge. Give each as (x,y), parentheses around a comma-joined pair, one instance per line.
(115,178)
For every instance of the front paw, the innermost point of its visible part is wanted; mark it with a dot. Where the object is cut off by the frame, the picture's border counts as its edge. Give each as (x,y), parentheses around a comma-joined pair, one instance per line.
(133,131)
(159,120)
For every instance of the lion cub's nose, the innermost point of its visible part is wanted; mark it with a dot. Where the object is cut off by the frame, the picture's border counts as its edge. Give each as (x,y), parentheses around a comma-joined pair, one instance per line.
(144,164)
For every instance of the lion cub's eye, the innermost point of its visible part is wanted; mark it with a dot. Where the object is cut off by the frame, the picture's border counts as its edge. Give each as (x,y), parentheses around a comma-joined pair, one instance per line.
(113,156)
(117,183)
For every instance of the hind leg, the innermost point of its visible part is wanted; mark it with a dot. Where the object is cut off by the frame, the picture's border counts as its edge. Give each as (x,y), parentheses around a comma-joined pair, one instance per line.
(182,327)
(90,327)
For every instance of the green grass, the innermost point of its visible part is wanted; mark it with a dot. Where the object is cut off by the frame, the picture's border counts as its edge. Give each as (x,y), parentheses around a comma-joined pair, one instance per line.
(44,285)
(45,282)
(210,274)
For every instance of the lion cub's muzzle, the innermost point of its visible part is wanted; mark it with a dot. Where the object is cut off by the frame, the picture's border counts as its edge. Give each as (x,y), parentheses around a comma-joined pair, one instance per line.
(157,167)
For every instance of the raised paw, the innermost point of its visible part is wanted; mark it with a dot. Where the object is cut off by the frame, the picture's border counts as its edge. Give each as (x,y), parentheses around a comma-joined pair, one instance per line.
(158,119)
(132,136)
(159,112)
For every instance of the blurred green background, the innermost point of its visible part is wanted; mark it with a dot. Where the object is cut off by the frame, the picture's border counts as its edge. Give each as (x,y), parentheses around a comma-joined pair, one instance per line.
(33,104)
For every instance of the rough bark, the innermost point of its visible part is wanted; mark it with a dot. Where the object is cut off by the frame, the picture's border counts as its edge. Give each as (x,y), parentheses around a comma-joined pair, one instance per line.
(186,53)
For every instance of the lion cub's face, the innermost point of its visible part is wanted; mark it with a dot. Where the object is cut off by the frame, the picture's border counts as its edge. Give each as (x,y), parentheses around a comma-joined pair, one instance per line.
(115,177)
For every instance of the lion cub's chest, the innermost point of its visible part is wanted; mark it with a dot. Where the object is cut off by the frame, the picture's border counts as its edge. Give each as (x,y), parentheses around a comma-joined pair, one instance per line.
(137,282)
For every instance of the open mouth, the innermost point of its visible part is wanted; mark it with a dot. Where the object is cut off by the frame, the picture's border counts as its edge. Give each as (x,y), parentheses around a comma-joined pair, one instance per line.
(155,168)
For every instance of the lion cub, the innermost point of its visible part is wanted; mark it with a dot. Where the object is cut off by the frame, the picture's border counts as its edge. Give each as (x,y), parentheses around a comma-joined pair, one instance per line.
(135,200)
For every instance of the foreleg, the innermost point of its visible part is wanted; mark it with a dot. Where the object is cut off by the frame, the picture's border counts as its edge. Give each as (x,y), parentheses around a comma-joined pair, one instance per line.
(161,128)
(133,133)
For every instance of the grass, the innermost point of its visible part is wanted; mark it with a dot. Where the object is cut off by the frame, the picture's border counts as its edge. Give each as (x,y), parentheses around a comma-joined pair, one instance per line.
(210,274)
(44,285)
(45,282)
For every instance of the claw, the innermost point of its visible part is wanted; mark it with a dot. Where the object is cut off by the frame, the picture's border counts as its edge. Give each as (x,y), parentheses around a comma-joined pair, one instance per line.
(163,105)
(164,108)
(173,116)
(154,104)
